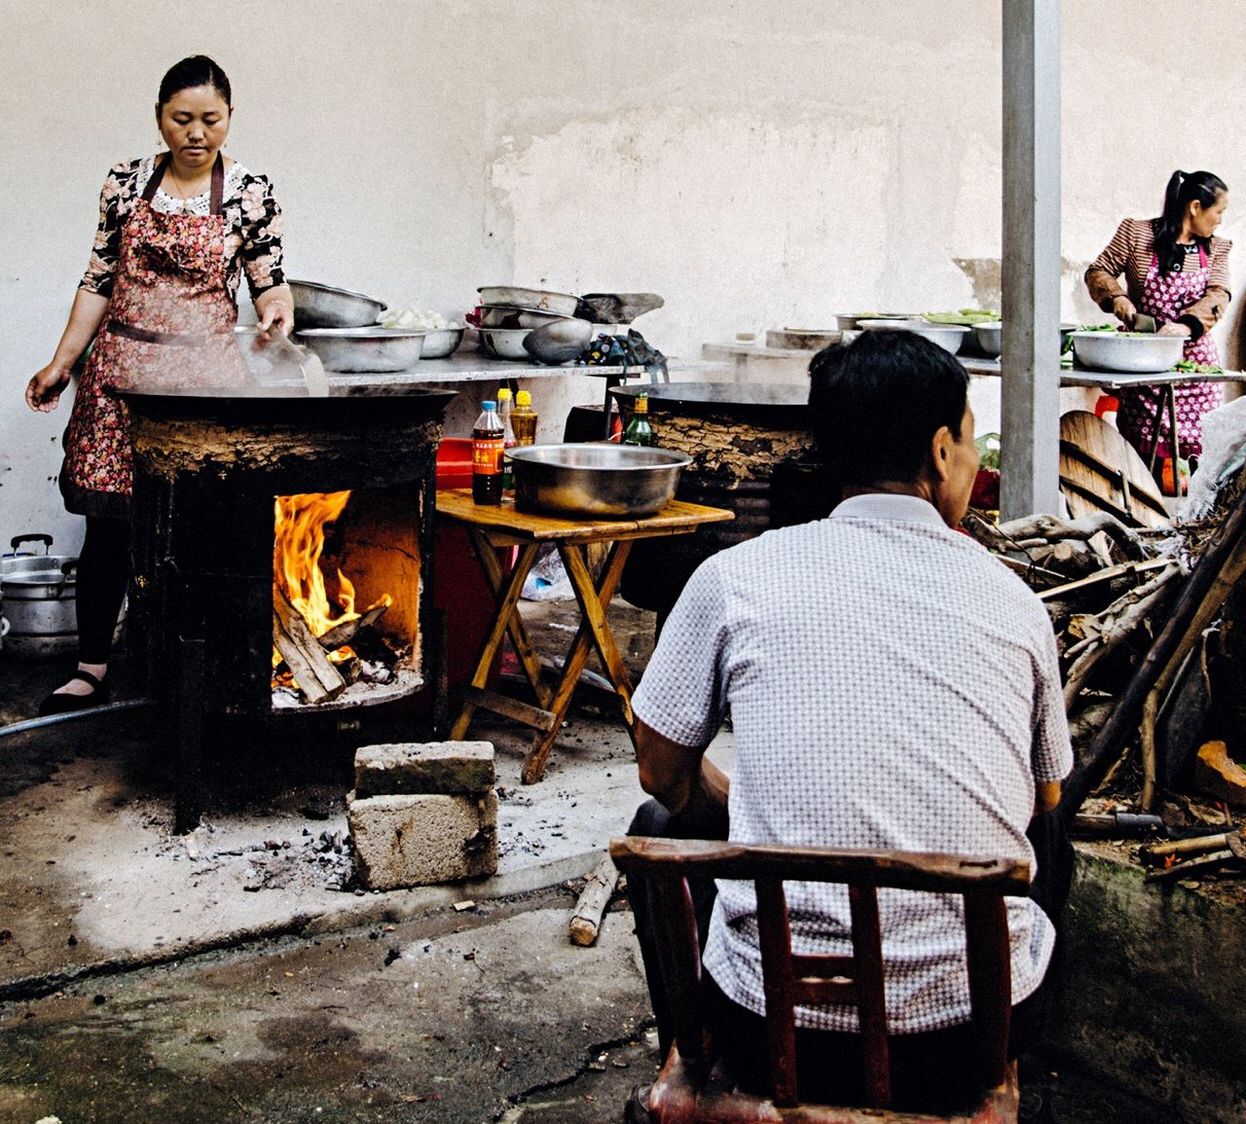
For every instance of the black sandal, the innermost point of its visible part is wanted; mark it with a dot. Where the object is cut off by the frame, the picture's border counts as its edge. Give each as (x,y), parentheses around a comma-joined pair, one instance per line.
(64,702)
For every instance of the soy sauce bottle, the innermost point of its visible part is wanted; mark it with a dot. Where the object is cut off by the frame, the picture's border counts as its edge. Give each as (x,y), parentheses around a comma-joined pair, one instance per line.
(488,447)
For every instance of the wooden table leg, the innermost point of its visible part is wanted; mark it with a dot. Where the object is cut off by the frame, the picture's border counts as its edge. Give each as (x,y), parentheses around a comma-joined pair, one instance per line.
(524,648)
(1176,439)
(612,573)
(493,642)
(1156,421)
(594,613)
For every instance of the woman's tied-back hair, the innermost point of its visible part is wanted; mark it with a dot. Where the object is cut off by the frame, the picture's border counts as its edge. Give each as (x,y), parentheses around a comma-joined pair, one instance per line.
(1183,187)
(197,70)
(877,403)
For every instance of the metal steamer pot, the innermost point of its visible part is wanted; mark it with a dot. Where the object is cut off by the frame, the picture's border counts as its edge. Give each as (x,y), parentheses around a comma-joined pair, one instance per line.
(40,600)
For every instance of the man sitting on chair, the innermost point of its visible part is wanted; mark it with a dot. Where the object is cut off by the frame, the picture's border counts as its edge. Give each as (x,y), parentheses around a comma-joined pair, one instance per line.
(891,686)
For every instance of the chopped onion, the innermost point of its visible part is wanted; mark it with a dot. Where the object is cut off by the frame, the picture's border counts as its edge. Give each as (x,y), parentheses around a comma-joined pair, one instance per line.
(415,319)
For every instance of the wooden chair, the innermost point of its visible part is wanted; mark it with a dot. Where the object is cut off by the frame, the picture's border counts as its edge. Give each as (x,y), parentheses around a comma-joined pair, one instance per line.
(687,1090)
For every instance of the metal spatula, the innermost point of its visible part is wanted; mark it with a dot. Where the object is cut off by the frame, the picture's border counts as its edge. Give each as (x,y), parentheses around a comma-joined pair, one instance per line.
(308,363)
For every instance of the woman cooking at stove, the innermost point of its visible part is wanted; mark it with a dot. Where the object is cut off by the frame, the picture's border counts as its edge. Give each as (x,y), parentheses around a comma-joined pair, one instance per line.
(177,231)
(1177,272)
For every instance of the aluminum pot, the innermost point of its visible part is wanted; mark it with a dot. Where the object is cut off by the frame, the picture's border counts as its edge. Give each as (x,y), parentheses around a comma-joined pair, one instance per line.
(596,479)
(40,597)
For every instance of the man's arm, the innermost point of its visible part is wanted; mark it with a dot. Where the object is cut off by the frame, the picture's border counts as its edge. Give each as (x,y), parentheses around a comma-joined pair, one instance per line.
(1046,797)
(681,777)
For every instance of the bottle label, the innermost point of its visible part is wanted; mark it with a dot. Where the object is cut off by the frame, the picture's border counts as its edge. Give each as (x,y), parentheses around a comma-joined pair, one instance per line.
(487,455)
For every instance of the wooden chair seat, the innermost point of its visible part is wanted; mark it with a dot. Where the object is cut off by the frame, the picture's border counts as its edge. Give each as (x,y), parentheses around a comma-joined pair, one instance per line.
(690,1089)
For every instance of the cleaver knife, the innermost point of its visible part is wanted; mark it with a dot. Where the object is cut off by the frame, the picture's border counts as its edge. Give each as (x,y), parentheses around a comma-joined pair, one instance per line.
(1144,323)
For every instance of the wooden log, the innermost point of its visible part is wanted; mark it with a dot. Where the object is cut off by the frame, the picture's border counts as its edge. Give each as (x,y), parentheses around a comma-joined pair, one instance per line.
(1123,570)
(1051,529)
(318,680)
(586,920)
(1156,853)
(345,632)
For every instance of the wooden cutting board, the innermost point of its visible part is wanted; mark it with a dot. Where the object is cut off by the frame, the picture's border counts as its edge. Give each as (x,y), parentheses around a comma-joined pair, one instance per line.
(1101,471)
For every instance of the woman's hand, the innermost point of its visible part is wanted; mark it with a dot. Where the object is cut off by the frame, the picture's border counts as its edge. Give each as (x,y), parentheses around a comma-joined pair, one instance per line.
(275,309)
(44,390)
(1174,328)
(1124,311)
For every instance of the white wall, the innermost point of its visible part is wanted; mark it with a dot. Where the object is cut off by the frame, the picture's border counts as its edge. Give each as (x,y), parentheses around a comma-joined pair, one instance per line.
(760,162)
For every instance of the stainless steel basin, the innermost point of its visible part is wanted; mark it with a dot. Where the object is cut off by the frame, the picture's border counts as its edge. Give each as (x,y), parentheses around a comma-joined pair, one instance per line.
(596,479)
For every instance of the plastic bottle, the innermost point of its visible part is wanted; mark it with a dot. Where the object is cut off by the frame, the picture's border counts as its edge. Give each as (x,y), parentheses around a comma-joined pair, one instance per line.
(639,431)
(488,448)
(524,419)
(508,437)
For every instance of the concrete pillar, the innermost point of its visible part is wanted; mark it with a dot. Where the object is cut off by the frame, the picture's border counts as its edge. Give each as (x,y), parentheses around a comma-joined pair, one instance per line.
(1031,258)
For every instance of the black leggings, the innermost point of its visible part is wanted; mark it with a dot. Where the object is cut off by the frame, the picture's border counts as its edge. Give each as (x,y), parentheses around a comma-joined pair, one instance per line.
(103,574)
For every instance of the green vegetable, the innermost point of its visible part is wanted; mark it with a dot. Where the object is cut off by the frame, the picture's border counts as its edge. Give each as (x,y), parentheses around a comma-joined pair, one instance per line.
(1190,367)
(966,317)
(988,450)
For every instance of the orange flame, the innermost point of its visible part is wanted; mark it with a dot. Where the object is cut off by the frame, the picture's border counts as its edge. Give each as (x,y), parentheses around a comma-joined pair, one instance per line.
(298,545)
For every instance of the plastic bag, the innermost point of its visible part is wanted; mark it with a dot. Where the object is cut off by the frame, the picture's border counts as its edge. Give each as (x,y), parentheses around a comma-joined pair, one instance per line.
(1224,453)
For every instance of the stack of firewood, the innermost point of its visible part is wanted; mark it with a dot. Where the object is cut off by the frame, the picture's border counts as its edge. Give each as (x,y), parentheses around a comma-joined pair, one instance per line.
(1128,605)
(306,655)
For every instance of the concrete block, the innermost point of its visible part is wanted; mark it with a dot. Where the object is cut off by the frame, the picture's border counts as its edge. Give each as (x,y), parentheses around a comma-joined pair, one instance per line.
(421,839)
(403,768)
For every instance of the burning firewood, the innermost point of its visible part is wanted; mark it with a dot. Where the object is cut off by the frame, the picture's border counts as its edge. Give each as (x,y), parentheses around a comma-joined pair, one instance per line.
(317,678)
(342,634)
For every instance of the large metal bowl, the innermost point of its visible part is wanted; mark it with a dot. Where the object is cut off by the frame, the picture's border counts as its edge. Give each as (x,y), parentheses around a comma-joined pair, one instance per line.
(322,306)
(364,349)
(990,337)
(1127,354)
(596,479)
(947,336)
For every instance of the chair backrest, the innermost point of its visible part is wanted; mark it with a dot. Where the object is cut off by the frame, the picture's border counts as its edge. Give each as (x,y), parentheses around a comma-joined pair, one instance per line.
(791,980)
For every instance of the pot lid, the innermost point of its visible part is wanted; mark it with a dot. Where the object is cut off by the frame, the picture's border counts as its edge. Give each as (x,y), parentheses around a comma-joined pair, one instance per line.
(36,568)
(28,578)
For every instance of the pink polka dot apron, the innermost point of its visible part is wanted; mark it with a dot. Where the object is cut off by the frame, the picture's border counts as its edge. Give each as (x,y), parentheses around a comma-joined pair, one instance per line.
(1166,298)
(169,325)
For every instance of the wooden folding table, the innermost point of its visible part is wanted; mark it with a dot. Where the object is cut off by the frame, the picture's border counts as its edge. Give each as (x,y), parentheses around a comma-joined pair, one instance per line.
(491,526)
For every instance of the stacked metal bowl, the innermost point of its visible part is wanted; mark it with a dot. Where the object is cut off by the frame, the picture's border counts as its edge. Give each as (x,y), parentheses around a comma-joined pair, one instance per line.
(340,327)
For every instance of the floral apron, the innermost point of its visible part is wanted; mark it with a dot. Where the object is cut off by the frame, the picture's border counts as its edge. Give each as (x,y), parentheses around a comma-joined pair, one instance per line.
(1166,298)
(169,326)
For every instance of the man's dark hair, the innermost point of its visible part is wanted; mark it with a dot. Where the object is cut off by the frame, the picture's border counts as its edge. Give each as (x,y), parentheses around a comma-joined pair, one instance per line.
(878,401)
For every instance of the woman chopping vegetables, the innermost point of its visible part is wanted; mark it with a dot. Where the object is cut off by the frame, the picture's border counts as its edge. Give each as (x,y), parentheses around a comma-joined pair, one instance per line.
(1176,271)
(177,230)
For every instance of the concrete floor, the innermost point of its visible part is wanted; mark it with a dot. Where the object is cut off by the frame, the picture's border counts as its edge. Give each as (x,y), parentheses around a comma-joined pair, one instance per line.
(235,974)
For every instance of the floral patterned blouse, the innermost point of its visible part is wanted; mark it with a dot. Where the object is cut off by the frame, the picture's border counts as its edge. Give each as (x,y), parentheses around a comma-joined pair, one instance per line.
(253,226)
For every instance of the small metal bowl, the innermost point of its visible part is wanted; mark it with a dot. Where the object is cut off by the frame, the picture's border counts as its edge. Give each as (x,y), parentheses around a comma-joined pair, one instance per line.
(596,479)
(372,349)
(990,337)
(322,306)
(441,342)
(505,343)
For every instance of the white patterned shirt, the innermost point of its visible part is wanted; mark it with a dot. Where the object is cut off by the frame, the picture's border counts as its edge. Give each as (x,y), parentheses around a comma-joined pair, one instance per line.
(891,686)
